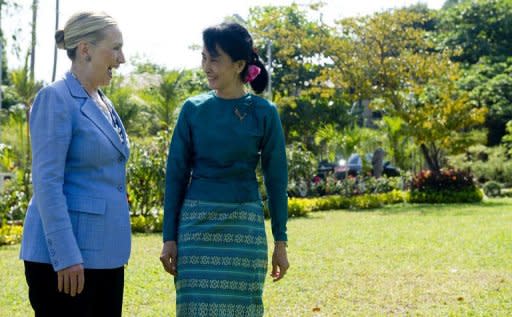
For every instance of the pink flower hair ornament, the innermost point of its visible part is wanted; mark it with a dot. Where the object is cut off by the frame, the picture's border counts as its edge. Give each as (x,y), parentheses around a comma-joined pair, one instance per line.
(252,72)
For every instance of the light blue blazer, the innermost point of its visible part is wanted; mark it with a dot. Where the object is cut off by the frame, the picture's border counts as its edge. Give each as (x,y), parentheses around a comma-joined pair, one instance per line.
(79,211)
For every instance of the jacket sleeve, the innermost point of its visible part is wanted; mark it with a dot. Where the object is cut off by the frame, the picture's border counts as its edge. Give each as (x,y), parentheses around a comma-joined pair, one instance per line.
(177,175)
(51,133)
(275,173)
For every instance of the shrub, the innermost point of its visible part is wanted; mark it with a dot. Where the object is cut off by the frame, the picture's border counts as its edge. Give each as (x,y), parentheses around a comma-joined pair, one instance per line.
(447,186)
(13,200)
(392,197)
(366,201)
(10,234)
(492,189)
(298,207)
(301,167)
(147,223)
(447,197)
(332,202)
(485,163)
(146,174)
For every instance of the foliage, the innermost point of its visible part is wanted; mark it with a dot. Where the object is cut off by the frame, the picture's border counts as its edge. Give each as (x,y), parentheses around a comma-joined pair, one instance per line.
(298,207)
(301,167)
(164,99)
(389,58)
(474,195)
(10,234)
(507,139)
(14,199)
(127,105)
(353,186)
(297,43)
(147,223)
(489,84)
(146,174)
(446,186)
(492,189)
(478,28)
(399,145)
(485,163)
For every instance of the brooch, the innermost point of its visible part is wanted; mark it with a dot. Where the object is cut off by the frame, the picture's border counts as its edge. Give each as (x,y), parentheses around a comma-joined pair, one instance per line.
(240,115)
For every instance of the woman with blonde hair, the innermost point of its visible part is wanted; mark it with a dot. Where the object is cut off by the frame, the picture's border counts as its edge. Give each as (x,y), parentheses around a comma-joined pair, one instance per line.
(76,237)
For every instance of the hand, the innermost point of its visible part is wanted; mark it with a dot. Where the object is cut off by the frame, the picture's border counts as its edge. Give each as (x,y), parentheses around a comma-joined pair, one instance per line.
(279,261)
(169,257)
(71,280)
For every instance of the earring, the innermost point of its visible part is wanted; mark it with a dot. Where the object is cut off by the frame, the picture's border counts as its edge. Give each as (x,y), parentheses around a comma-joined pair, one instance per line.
(88,58)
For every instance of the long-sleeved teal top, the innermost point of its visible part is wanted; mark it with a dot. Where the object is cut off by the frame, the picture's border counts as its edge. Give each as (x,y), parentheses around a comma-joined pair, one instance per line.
(215,148)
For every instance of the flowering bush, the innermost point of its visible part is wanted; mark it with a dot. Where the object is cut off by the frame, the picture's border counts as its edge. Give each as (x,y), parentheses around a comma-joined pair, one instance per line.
(447,186)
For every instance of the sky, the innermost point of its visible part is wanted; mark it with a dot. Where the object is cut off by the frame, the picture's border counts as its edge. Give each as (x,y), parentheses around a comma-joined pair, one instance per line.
(160,31)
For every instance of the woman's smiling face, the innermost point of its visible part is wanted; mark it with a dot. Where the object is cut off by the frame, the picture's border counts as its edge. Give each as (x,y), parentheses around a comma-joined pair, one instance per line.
(221,71)
(106,55)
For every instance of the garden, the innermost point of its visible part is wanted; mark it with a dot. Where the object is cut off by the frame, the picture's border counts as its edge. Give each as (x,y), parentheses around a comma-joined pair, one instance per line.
(422,93)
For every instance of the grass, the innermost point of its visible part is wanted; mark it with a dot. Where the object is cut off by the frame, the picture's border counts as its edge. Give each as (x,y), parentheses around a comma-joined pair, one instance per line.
(405,260)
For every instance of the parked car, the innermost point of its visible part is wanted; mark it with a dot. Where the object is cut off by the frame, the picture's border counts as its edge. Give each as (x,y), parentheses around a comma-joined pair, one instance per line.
(352,167)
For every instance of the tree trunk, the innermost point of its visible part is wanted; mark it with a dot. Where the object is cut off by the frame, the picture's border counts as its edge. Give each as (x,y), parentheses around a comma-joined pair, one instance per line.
(55,47)
(431,158)
(34,37)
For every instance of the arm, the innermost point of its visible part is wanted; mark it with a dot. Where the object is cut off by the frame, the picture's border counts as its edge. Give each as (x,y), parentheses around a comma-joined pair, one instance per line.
(51,133)
(51,130)
(176,182)
(177,175)
(275,171)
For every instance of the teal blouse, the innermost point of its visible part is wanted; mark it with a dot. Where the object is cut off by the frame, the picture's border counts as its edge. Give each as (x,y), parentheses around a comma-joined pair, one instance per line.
(215,148)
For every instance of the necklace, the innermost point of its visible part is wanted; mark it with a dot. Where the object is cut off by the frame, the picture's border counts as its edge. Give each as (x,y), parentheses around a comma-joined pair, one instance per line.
(105,109)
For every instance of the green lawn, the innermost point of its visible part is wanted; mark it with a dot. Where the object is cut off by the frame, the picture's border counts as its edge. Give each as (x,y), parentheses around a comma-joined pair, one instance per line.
(421,260)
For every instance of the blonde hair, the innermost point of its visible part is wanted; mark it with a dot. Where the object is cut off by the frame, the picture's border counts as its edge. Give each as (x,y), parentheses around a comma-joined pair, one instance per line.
(83,26)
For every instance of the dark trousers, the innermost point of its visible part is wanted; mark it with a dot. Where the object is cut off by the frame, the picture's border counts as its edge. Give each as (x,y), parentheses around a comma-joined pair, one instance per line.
(102,294)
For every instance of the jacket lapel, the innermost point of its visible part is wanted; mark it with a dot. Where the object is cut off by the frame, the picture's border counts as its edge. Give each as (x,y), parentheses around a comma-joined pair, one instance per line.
(126,144)
(91,111)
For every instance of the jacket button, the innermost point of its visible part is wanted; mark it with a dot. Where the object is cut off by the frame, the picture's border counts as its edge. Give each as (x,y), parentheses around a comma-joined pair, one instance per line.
(49,241)
(120,159)
(120,188)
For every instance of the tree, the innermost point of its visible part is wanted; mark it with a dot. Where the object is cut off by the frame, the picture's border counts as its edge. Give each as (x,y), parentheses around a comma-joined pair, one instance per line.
(297,45)
(164,99)
(451,3)
(438,115)
(389,58)
(478,28)
(26,89)
(489,84)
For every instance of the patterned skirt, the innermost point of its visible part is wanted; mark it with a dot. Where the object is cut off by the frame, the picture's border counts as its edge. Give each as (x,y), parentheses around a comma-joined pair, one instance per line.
(222,259)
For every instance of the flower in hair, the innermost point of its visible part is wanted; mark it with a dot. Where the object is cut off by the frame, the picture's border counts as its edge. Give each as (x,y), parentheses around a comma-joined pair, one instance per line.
(252,72)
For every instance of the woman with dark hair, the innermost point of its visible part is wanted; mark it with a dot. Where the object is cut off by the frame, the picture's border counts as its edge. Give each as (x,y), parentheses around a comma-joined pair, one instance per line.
(214,233)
